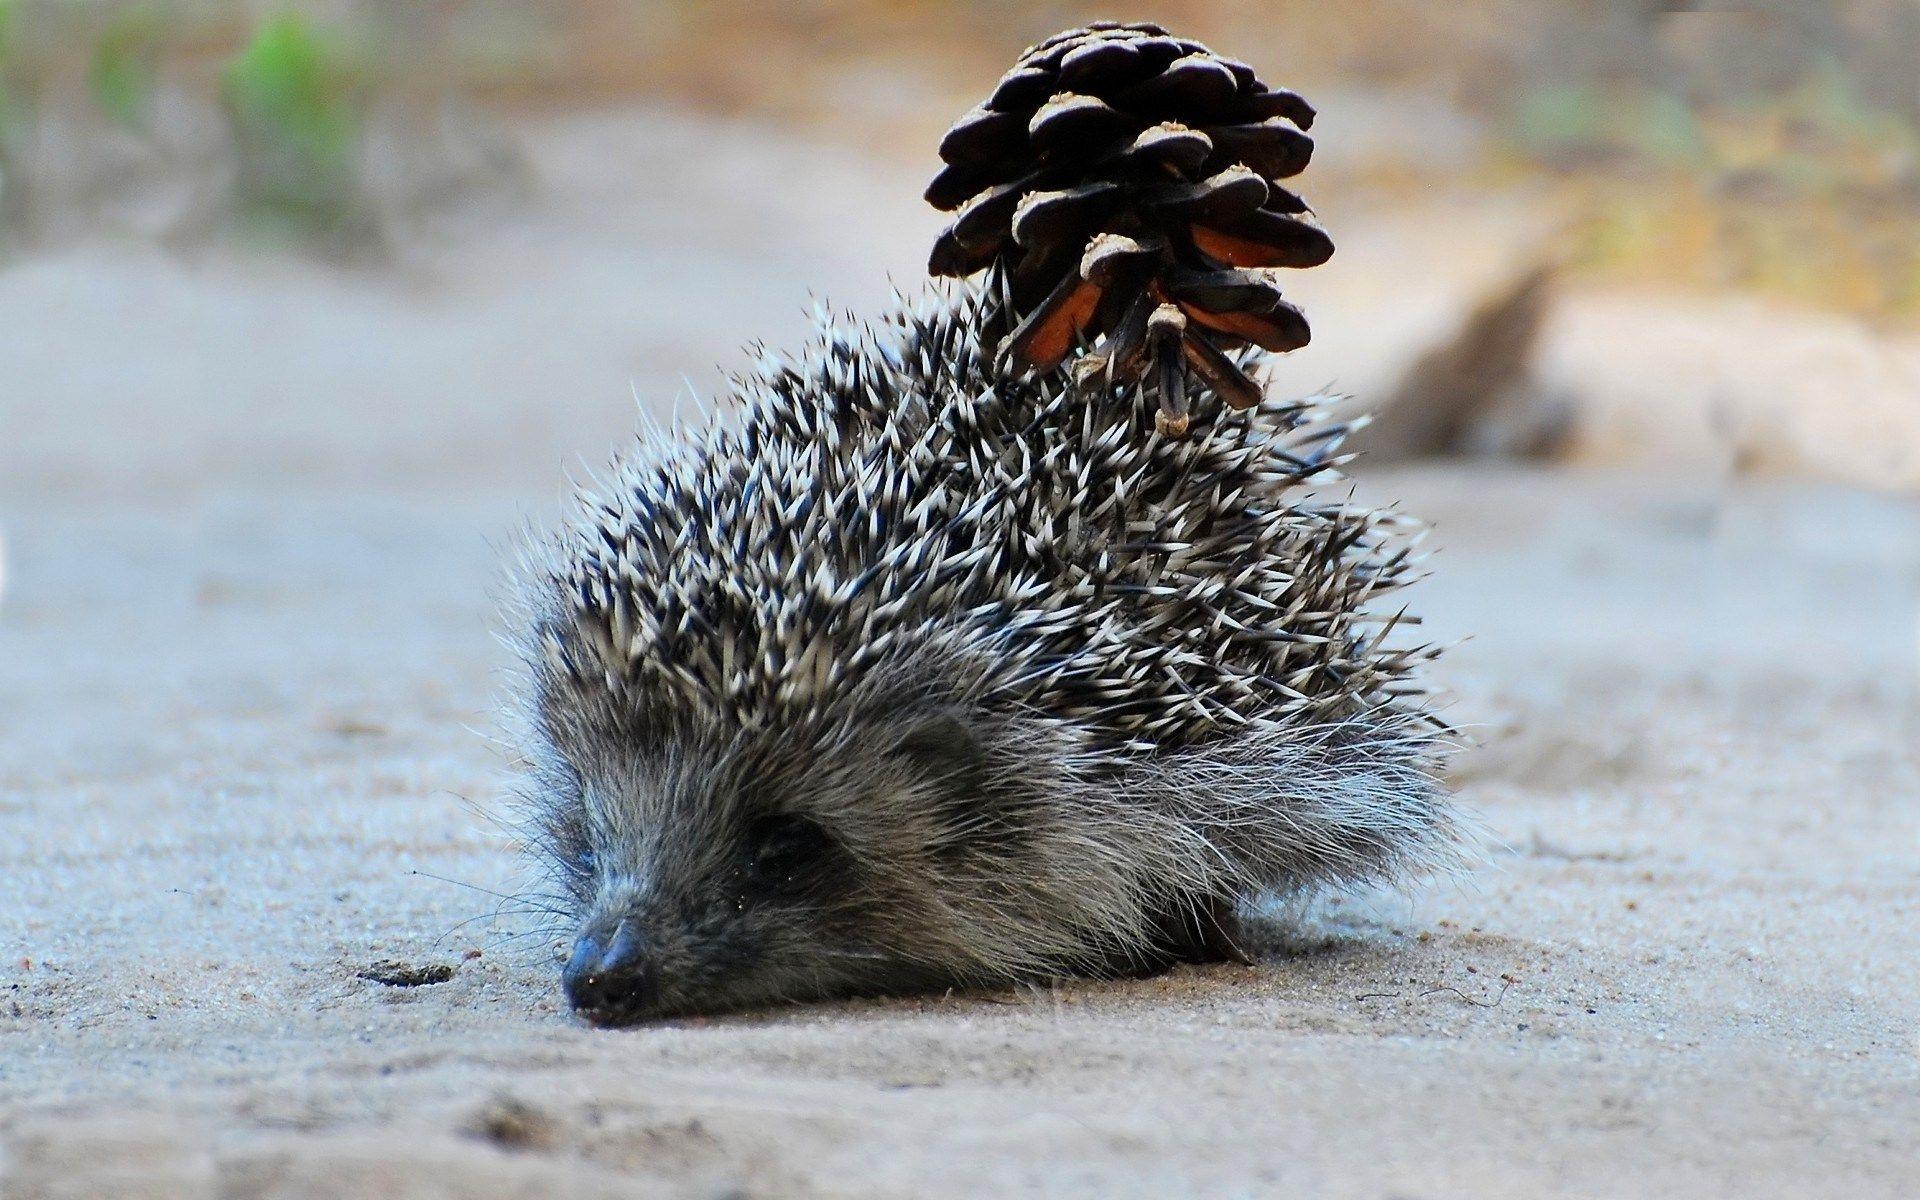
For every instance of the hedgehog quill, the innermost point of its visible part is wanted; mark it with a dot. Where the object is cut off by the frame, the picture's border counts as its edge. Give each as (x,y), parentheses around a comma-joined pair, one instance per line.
(1012,638)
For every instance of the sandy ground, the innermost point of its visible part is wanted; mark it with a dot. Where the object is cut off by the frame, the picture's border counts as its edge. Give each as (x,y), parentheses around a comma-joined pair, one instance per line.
(249,509)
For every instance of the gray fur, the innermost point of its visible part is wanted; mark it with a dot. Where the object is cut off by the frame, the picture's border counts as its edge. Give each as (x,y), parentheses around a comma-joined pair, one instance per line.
(1062,691)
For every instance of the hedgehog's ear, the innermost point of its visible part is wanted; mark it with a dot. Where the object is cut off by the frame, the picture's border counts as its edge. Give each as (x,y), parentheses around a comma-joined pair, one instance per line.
(942,742)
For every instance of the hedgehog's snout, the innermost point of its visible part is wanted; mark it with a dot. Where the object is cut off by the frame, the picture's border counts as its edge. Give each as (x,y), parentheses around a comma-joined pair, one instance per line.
(613,975)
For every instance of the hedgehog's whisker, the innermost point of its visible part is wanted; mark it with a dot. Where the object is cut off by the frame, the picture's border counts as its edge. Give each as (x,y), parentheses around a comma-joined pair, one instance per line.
(473,887)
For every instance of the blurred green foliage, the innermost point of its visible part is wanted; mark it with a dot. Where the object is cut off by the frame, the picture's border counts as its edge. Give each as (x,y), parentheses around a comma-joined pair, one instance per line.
(125,64)
(1812,192)
(1583,124)
(1821,133)
(295,95)
(6,46)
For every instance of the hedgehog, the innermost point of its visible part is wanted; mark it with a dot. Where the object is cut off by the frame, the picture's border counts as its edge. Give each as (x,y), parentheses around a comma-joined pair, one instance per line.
(916,668)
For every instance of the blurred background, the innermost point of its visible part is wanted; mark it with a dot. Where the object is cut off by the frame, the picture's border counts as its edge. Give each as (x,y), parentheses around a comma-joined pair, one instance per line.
(436,244)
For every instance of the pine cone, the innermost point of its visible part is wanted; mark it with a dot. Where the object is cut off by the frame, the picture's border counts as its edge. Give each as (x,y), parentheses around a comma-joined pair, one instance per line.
(1122,179)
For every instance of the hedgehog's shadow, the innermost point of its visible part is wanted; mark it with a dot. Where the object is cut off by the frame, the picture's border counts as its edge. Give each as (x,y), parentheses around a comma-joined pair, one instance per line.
(1278,929)
(1314,931)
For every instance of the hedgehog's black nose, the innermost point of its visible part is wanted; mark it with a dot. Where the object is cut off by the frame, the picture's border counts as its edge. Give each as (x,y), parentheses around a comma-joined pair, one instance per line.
(611,977)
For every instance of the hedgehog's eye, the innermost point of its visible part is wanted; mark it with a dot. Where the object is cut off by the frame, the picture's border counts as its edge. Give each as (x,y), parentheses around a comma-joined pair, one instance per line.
(783,851)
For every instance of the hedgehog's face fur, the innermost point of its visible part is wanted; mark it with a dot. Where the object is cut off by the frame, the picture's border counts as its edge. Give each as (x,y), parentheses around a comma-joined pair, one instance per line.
(713,869)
